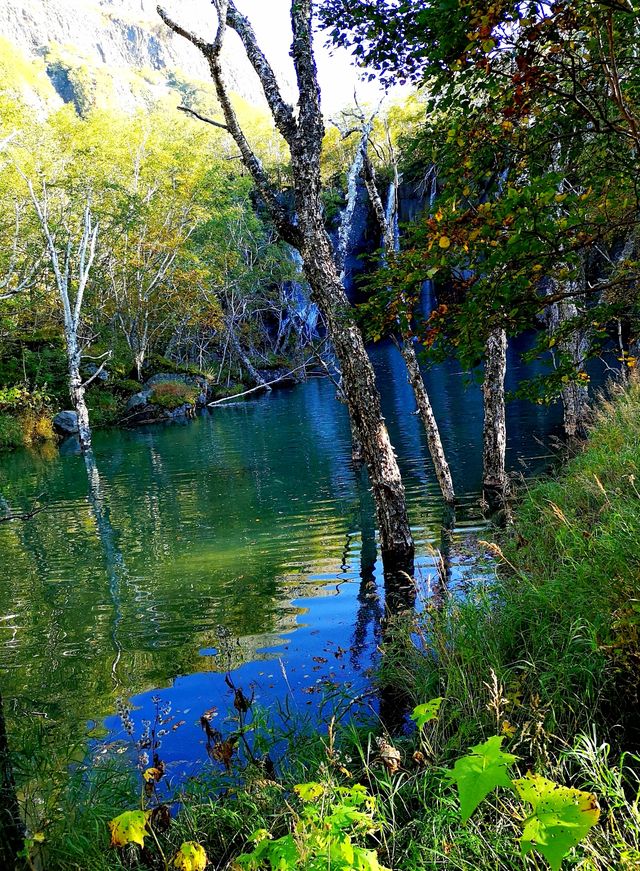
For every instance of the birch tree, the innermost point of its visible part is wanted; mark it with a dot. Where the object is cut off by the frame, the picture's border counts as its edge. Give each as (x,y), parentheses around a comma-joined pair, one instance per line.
(303,131)
(71,268)
(387,220)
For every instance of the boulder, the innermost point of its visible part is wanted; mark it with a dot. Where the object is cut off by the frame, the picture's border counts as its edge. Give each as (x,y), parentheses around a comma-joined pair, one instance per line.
(65,423)
(91,369)
(138,401)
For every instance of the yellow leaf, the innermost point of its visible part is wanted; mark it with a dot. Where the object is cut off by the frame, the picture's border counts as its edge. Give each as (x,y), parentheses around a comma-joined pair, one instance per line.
(128,828)
(508,729)
(190,857)
(152,774)
(445,242)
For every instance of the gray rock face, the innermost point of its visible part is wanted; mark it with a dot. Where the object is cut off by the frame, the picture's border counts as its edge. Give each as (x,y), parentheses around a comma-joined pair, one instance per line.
(112,39)
(65,423)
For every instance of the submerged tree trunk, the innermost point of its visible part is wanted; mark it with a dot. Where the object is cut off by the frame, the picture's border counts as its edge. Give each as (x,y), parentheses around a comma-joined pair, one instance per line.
(387,221)
(494,478)
(425,410)
(11,828)
(304,134)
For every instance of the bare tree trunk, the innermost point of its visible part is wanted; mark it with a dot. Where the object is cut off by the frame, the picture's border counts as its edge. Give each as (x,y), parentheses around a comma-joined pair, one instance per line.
(387,221)
(494,480)
(304,135)
(244,358)
(11,828)
(425,410)
(360,390)
(66,273)
(575,396)
(575,346)
(77,389)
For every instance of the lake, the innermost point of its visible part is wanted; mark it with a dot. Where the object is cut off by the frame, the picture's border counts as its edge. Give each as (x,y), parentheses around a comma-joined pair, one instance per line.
(243,541)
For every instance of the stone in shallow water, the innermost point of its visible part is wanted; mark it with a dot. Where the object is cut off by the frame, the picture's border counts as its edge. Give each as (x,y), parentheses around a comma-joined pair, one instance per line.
(65,423)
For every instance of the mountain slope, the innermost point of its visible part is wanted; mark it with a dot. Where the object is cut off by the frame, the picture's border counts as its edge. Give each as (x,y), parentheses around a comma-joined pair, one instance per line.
(117,53)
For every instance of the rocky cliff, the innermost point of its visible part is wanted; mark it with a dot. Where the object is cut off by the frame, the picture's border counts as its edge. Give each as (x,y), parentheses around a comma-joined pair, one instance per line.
(118,52)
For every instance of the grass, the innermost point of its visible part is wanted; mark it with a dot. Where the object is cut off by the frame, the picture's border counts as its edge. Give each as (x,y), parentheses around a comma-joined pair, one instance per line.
(544,651)
(559,623)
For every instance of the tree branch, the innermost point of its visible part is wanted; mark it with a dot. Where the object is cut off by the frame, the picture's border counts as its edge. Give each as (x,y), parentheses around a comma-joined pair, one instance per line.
(286,228)
(200,117)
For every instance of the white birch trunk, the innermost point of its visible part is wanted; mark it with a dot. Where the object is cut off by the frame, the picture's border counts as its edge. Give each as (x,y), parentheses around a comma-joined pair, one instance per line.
(494,478)
(72,270)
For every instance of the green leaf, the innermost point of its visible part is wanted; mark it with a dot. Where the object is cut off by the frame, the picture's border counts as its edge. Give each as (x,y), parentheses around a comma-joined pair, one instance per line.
(309,791)
(366,860)
(480,772)
(561,817)
(423,714)
(283,854)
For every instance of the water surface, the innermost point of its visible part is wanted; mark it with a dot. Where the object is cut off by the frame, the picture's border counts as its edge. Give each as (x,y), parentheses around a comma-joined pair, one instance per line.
(241,541)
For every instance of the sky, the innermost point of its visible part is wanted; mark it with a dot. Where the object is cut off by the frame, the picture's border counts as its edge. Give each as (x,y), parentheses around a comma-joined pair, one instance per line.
(338,77)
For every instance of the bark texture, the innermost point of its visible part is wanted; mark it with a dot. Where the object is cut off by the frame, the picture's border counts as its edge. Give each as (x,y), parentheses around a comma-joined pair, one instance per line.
(71,275)
(304,135)
(573,344)
(494,477)
(425,410)
(387,220)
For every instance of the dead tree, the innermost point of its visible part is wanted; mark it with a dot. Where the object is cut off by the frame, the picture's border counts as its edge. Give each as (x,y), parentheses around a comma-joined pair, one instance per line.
(303,132)
(71,271)
(494,472)
(387,221)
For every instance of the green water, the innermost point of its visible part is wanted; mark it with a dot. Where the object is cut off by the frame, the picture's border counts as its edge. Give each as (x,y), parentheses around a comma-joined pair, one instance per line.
(243,540)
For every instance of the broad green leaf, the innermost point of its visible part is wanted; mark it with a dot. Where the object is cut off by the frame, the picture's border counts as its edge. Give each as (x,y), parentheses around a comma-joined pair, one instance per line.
(129,828)
(309,791)
(340,853)
(283,854)
(561,817)
(480,772)
(190,857)
(423,714)
(366,860)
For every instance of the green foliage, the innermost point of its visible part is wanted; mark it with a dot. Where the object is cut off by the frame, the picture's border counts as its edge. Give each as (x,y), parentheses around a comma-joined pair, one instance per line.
(423,714)
(25,417)
(11,435)
(324,832)
(560,818)
(478,774)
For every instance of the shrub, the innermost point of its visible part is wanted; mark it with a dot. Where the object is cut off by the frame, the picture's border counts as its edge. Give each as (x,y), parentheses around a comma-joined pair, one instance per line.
(10,433)
(173,394)
(25,417)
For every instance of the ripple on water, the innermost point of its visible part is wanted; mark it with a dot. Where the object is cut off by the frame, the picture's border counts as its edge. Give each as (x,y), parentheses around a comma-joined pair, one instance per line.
(243,537)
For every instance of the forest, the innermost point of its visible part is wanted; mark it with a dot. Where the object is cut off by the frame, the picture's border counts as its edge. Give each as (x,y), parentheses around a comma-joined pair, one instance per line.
(319,445)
